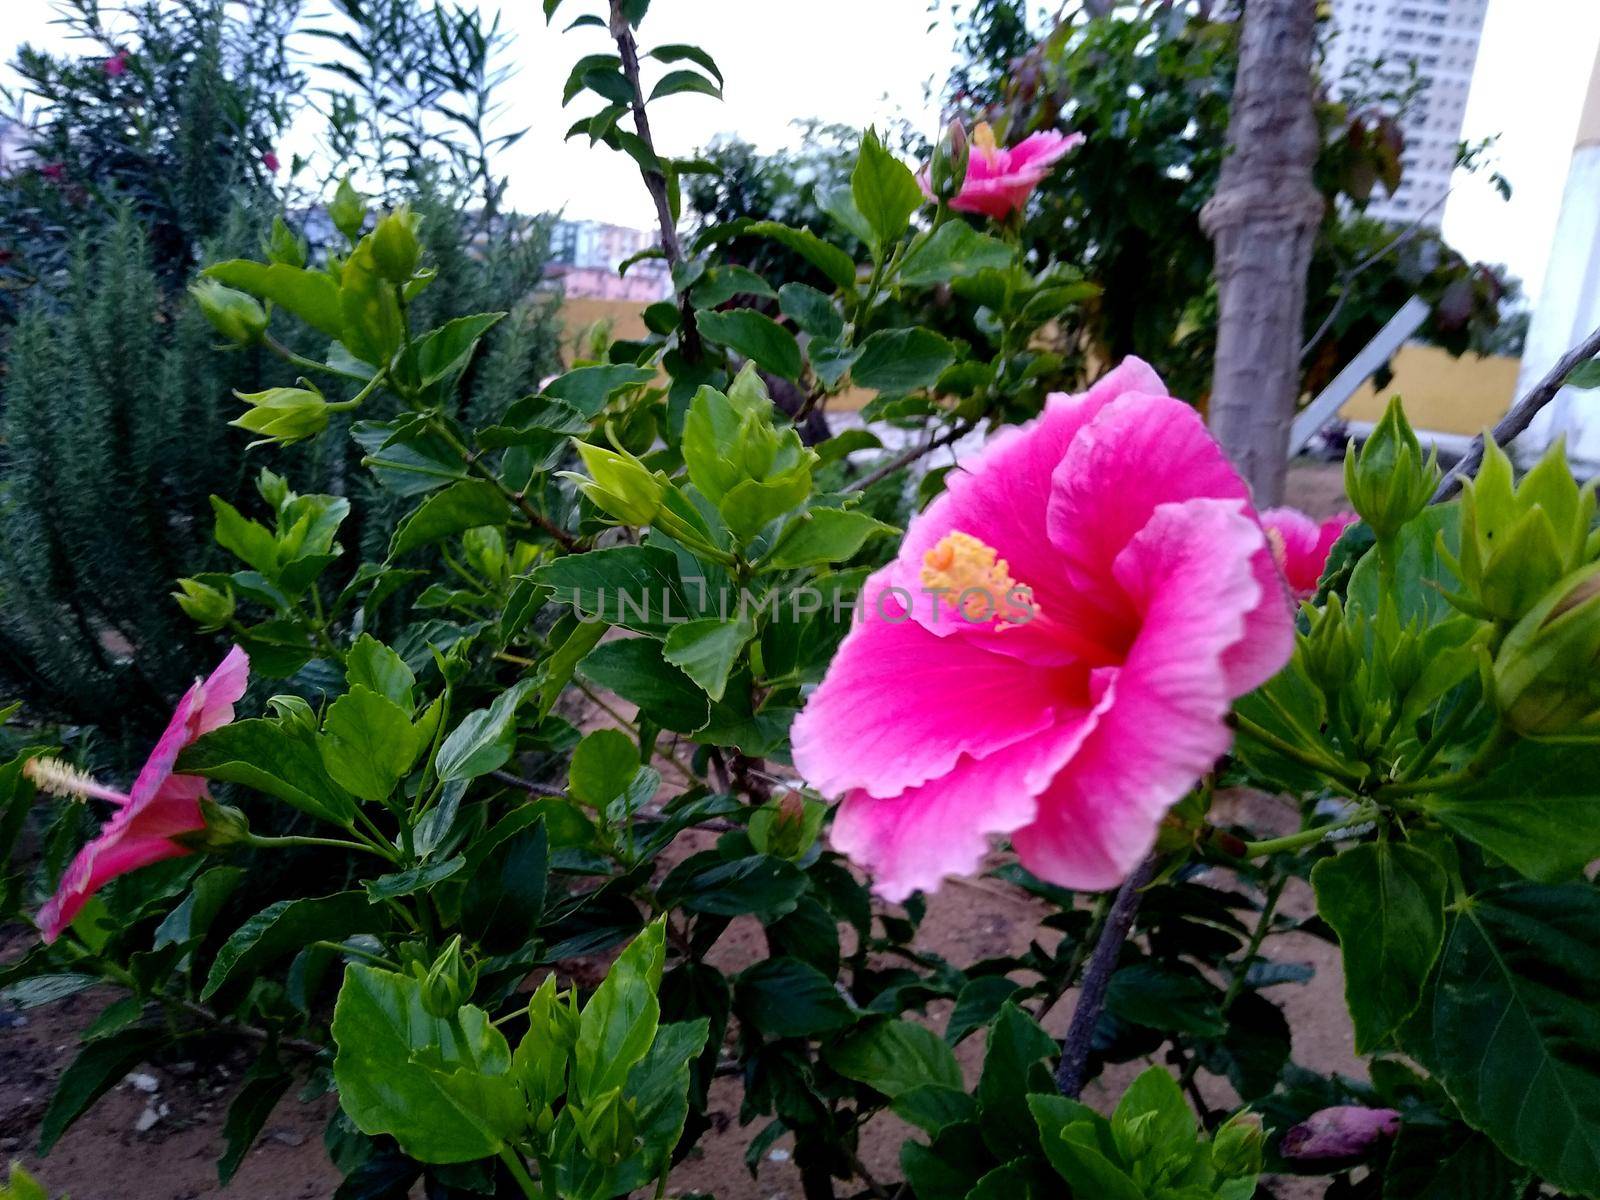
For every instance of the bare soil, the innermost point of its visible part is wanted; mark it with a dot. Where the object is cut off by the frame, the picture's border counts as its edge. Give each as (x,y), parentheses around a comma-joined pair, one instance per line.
(117,1152)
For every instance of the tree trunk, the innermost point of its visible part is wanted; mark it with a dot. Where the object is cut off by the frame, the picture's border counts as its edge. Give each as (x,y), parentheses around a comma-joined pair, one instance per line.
(1263,219)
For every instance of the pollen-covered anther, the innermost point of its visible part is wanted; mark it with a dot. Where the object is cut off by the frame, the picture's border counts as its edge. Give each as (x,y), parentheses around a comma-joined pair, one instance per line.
(58,778)
(976,581)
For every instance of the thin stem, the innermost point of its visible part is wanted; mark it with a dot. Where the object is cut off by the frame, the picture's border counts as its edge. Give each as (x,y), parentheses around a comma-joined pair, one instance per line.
(261,842)
(1102,964)
(513,1162)
(475,464)
(310,364)
(1485,758)
(954,434)
(1309,837)
(376,960)
(1305,757)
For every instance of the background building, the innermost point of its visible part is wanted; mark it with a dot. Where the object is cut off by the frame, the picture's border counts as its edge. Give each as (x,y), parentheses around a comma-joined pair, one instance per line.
(1441,38)
(586,256)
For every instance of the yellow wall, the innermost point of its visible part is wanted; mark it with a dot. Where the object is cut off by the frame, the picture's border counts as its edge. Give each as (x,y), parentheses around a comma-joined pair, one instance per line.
(1442,394)
(580,312)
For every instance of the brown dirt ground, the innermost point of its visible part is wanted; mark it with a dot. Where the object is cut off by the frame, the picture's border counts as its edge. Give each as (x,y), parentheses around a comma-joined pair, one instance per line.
(105,1157)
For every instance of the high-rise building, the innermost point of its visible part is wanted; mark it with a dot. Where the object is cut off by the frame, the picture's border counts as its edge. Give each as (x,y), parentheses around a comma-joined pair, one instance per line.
(1441,38)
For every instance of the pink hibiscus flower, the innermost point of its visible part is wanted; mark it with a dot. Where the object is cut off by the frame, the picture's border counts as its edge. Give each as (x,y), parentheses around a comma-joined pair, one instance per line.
(160,808)
(1113,593)
(999,179)
(1301,546)
(116,65)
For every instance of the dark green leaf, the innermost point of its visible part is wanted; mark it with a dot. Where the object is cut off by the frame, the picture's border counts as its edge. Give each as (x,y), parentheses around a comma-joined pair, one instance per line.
(588,388)
(273,757)
(635,587)
(458,508)
(884,190)
(635,669)
(783,998)
(485,739)
(416,879)
(99,1067)
(826,257)
(896,361)
(823,535)
(504,899)
(955,248)
(754,335)
(285,927)
(894,1057)
(263,1087)
(675,82)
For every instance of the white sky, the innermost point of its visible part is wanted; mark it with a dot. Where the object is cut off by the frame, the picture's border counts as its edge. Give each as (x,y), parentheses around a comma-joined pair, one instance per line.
(860,61)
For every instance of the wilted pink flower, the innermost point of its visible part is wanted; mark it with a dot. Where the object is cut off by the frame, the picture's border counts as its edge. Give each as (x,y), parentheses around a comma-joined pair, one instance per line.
(269,160)
(1112,594)
(116,65)
(161,807)
(1301,546)
(1000,179)
(1342,1132)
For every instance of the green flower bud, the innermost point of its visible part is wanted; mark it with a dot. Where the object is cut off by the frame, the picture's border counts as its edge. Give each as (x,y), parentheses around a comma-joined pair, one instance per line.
(1547,672)
(203,604)
(619,485)
(606,1127)
(234,315)
(543,1055)
(396,249)
(285,246)
(284,415)
(1518,541)
(225,828)
(448,983)
(1237,1148)
(787,825)
(1328,649)
(948,169)
(348,212)
(1389,482)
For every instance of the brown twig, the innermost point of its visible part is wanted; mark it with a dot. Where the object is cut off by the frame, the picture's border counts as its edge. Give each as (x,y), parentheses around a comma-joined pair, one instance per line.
(910,456)
(1521,414)
(655,181)
(1097,978)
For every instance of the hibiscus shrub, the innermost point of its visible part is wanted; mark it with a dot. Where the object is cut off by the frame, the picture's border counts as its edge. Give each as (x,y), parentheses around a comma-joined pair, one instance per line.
(654,635)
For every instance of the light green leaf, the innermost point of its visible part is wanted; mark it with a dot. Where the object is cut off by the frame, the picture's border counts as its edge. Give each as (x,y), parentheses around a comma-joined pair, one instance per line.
(276,758)
(811,310)
(954,249)
(707,650)
(313,296)
(602,767)
(464,505)
(485,739)
(619,1022)
(367,743)
(1386,903)
(894,1057)
(826,257)
(373,665)
(884,190)
(823,535)
(588,389)
(896,361)
(756,336)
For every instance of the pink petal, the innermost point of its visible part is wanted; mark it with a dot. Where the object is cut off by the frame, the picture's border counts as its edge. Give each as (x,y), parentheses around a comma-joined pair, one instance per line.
(912,841)
(204,707)
(899,707)
(115,852)
(1190,575)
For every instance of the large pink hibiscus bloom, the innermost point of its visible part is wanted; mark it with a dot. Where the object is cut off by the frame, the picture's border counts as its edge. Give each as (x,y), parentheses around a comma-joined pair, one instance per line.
(1000,179)
(1142,599)
(161,807)
(1301,546)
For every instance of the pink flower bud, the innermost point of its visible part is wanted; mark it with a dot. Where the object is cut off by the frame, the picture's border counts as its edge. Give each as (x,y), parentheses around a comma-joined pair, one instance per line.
(269,160)
(116,65)
(1346,1131)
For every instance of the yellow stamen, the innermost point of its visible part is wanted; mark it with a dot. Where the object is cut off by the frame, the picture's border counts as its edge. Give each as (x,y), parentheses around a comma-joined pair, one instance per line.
(58,778)
(977,582)
(1280,551)
(983,137)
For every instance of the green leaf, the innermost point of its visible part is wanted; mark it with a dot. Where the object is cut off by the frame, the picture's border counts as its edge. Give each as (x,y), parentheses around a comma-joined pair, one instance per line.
(826,257)
(264,1085)
(679,52)
(371,664)
(896,361)
(823,535)
(1449,1163)
(373,326)
(446,351)
(1515,1017)
(485,739)
(415,879)
(757,884)
(811,310)
(464,505)
(1537,810)
(675,82)
(1016,1058)
(504,899)
(367,743)
(932,1106)
(589,388)
(754,335)
(602,767)
(19,1185)
(313,296)
(1585,375)
(635,669)
(250,541)
(784,997)
(1172,998)
(954,249)
(440,1086)
(884,190)
(99,1067)
(707,650)
(619,1022)
(895,1057)
(977,1003)
(634,587)
(276,758)
(188,924)
(1386,903)
(283,928)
